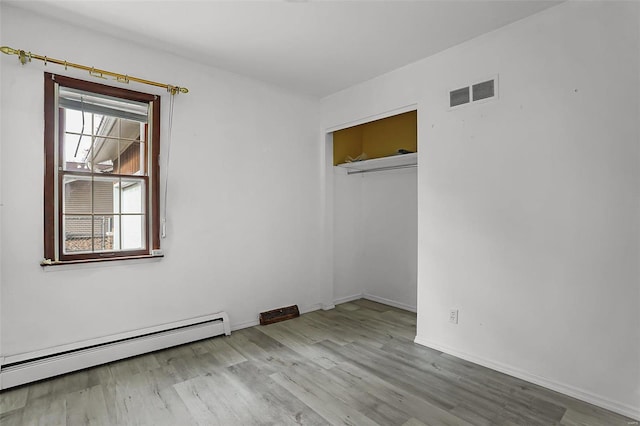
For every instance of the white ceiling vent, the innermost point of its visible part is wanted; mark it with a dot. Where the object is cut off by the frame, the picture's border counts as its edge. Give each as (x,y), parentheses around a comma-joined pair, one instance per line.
(481,91)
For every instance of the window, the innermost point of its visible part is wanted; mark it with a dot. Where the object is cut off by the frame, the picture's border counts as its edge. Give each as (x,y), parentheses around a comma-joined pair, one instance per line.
(101,188)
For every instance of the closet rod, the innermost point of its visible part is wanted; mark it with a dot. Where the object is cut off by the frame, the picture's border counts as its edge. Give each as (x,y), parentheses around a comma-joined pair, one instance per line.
(380,169)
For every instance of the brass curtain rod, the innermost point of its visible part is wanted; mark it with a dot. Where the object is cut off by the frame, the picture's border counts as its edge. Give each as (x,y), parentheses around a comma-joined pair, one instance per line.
(25,57)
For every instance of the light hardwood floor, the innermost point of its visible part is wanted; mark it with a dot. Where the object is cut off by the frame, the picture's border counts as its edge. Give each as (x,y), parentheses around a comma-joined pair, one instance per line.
(354,365)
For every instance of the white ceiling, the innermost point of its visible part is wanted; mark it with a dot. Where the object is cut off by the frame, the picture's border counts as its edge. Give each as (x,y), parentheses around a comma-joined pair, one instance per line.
(312,47)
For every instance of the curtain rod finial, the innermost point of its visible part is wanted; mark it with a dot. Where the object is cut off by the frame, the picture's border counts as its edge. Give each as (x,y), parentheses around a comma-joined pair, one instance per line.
(22,55)
(8,51)
(174,90)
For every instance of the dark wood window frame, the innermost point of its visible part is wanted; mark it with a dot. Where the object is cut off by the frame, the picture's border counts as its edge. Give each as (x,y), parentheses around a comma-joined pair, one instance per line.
(53,244)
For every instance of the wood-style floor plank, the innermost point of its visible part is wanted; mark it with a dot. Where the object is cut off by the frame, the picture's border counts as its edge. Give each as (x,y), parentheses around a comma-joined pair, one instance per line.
(405,401)
(353,365)
(300,345)
(380,410)
(13,399)
(50,410)
(325,404)
(205,404)
(277,397)
(86,407)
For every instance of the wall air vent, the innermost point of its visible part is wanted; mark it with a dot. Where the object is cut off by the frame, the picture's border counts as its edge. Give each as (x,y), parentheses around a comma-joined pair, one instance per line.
(459,97)
(481,91)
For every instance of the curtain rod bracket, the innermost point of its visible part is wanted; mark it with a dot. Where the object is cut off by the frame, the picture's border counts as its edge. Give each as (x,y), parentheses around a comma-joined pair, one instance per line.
(96,74)
(123,79)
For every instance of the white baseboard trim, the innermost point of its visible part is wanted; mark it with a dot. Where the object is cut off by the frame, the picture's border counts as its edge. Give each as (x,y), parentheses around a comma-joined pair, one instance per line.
(374,298)
(25,368)
(245,324)
(303,310)
(348,299)
(389,302)
(311,308)
(586,396)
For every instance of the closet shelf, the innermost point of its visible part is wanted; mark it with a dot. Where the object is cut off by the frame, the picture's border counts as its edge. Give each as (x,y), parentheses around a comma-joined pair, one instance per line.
(384,163)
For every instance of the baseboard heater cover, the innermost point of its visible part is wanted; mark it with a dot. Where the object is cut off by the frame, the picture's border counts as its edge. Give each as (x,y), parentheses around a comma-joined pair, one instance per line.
(21,369)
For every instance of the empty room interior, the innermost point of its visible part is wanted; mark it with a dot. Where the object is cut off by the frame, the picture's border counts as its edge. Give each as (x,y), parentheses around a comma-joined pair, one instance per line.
(314,212)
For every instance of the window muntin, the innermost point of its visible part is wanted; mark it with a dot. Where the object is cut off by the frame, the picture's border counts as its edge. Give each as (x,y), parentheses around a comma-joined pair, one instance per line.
(101,177)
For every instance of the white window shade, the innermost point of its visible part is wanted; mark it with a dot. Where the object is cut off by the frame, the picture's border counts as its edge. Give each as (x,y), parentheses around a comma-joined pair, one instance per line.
(103,105)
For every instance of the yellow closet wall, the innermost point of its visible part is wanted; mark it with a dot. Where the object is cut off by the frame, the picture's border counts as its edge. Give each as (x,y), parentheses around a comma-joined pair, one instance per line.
(380,138)
(347,142)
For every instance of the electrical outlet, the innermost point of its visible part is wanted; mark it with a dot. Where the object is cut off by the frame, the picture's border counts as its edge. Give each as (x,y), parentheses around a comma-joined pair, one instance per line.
(453,316)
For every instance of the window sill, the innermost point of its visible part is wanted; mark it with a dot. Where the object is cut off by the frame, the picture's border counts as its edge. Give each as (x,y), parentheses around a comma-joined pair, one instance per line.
(60,265)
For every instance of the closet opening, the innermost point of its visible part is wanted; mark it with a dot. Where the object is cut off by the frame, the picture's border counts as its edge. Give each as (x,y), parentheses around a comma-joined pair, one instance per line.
(373,170)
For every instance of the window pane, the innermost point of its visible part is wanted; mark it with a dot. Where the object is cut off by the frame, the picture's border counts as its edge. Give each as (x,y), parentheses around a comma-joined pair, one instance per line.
(103,227)
(133,196)
(116,232)
(105,195)
(130,133)
(132,158)
(77,195)
(77,231)
(76,140)
(132,233)
(127,129)
(104,158)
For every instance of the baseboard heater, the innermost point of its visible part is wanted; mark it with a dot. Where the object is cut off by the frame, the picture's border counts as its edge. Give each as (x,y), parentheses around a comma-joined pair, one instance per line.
(29,367)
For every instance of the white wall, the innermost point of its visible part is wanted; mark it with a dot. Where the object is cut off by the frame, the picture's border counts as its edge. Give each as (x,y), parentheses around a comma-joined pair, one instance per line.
(528,206)
(244,213)
(375,239)
(390,237)
(348,247)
